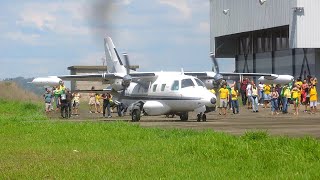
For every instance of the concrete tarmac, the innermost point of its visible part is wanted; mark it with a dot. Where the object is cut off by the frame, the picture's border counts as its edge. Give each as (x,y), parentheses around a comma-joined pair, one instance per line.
(304,124)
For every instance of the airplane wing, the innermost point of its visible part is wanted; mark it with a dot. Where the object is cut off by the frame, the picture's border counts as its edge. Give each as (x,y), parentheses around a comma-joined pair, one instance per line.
(90,77)
(247,74)
(202,75)
(104,76)
(93,91)
(211,75)
(142,74)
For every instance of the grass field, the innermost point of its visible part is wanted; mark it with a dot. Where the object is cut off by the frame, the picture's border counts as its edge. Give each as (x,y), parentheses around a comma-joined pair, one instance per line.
(33,147)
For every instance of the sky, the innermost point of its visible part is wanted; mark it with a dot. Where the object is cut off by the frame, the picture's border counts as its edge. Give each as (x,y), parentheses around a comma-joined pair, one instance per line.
(44,37)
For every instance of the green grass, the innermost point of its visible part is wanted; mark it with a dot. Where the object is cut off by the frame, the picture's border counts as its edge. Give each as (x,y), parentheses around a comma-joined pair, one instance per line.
(40,149)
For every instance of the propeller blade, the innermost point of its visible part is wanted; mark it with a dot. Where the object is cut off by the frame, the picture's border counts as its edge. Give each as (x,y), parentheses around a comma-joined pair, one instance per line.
(215,67)
(127,63)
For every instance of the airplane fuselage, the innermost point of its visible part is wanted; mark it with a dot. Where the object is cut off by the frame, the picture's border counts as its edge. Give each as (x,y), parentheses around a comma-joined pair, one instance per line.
(170,93)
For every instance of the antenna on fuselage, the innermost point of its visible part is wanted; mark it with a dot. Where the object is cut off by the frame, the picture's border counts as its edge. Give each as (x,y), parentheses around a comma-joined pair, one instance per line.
(182,72)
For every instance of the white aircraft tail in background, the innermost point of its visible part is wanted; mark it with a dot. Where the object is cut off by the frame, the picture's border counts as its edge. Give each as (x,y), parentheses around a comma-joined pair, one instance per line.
(114,63)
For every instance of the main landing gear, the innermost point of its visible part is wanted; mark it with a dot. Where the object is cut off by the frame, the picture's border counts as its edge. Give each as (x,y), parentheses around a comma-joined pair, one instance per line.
(136,115)
(201,116)
(184,116)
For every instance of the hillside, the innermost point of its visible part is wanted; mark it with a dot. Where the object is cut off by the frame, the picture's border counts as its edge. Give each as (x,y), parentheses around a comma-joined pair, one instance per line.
(12,91)
(23,83)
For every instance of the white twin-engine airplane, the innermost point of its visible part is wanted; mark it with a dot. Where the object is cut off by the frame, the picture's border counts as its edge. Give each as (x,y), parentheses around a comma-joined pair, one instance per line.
(156,93)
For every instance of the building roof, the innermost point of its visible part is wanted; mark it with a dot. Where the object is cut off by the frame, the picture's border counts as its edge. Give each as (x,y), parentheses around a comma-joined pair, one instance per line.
(98,68)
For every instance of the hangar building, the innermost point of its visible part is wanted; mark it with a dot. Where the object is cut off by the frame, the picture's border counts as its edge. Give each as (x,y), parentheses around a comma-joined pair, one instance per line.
(271,36)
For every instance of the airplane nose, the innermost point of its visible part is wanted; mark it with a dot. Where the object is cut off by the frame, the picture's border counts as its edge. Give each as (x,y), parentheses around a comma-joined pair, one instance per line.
(213,100)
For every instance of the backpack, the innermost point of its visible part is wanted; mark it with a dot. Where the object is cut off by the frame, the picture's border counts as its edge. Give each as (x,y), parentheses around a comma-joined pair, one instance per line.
(63,96)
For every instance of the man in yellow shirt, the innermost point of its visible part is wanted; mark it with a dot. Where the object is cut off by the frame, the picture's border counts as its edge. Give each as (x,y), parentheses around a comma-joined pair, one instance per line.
(224,94)
(313,99)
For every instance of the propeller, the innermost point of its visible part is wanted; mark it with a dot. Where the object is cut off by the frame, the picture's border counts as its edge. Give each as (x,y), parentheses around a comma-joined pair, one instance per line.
(215,68)
(127,78)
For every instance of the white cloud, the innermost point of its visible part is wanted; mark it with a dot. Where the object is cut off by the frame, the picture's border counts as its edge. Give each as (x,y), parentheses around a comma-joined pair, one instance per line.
(62,18)
(32,39)
(181,5)
(204,27)
(92,59)
(40,20)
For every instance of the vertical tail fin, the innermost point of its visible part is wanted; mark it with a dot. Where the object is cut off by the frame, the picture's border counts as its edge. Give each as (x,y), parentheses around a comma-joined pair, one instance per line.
(114,63)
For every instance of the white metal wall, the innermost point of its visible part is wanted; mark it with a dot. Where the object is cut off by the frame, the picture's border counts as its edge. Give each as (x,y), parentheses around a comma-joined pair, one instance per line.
(250,15)
(247,15)
(307,29)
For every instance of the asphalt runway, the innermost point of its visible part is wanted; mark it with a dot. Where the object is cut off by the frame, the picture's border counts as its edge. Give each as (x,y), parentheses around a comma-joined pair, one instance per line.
(305,124)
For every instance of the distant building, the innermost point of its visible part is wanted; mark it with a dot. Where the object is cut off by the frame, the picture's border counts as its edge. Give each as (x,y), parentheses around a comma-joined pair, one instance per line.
(271,36)
(86,85)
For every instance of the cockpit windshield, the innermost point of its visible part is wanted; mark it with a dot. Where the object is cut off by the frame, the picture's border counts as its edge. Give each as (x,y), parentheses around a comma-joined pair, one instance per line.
(175,86)
(186,83)
(199,82)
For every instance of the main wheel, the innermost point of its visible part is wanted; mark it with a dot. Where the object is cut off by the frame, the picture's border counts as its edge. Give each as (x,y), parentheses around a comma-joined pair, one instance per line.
(184,116)
(198,117)
(136,114)
(204,117)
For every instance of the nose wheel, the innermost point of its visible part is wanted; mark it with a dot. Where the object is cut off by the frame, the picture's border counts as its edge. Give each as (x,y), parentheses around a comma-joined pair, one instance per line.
(202,117)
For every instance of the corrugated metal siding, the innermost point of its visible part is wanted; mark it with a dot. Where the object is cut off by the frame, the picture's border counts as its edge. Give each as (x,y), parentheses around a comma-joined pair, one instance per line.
(247,15)
(308,24)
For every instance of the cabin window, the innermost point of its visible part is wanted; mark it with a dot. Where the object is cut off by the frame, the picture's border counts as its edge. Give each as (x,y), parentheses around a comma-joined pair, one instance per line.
(163,86)
(154,88)
(186,83)
(199,82)
(175,86)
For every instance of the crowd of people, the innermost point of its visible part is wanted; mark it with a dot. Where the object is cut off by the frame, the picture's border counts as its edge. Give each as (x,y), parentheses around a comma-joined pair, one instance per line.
(98,103)
(61,99)
(276,97)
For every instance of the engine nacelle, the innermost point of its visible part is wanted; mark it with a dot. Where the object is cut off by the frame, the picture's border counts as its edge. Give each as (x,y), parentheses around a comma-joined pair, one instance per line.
(155,108)
(210,83)
(276,79)
(46,81)
(120,84)
(117,85)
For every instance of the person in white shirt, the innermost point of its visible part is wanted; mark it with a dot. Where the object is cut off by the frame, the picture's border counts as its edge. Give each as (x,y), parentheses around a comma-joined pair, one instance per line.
(255,98)
(249,93)
(261,93)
